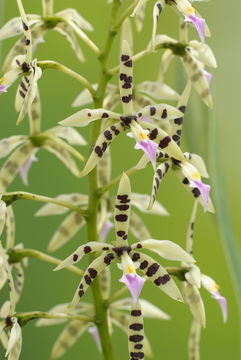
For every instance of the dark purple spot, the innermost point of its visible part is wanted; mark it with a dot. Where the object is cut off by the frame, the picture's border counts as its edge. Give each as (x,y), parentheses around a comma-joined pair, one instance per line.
(152,110)
(122,207)
(92,272)
(143,265)
(75,257)
(136,313)
(104,115)
(162,280)
(136,338)
(164,142)
(153,134)
(152,269)
(121,217)
(87,249)
(196,192)
(136,327)
(81,293)
(128,63)
(125,57)
(98,151)
(87,279)
(164,114)
(135,257)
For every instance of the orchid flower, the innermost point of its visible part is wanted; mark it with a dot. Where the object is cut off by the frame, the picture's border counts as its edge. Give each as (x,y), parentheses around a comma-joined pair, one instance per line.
(128,254)
(127,120)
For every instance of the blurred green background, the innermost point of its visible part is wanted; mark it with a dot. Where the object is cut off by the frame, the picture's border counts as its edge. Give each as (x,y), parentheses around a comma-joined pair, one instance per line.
(44,288)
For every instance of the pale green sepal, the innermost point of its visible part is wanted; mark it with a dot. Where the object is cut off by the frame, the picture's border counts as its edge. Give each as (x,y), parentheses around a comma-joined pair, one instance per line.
(14,26)
(138,228)
(105,283)
(194,340)
(86,116)
(67,229)
(98,150)
(141,201)
(3,208)
(142,163)
(77,255)
(140,16)
(68,337)
(73,15)
(157,9)
(194,301)
(203,53)
(190,230)
(15,341)
(12,165)
(195,73)
(19,280)
(161,111)
(69,134)
(53,209)
(126,33)
(125,79)
(198,162)
(166,249)
(122,210)
(6,268)
(34,115)
(104,169)
(8,144)
(65,30)
(161,278)
(84,97)
(10,227)
(158,90)
(165,62)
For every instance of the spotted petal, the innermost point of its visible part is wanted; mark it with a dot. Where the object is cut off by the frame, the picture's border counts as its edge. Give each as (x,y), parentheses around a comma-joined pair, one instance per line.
(125,81)
(160,111)
(10,227)
(194,340)
(14,26)
(158,275)
(157,9)
(194,301)
(160,172)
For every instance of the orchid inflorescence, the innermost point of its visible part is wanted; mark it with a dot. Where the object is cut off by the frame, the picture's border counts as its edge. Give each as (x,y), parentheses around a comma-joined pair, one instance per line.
(156,128)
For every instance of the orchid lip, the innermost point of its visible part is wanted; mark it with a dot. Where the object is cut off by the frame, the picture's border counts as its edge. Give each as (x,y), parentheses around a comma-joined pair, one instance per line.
(199,25)
(150,149)
(134,282)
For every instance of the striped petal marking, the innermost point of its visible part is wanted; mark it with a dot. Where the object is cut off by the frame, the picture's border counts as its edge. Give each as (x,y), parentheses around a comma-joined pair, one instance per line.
(125,81)
(122,211)
(160,172)
(136,333)
(157,274)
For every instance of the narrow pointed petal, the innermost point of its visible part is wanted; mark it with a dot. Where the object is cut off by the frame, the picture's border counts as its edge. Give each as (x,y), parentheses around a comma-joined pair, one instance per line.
(194,301)
(14,26)
(194,191)
(149,147)
(122,211)
(163,140)
(190,230)
(73,15)
(34,115)
(139,13)
(66,231)
(86,116)
(160,111)
(194,71)
(203,53)
(199,25)
(84,97)
(157,9)
(138,228)
(136,333)
(105,282)
(176,128)
(68,337)
(71,135)
(160,172)
(125,81)
(26,32)
(53,209)
(159,276)
(69,34)
(134,282)
(19,280)
(103,141)
(165,62)
(10,227)
(3,210)
(12,165)
(62,154)
(15,341)
(82,250)
(141,201)
(223,304)
(166,249)
(6,272)
(104,169)
(94,332)
(94,269)
(126,33)
(194,340)
(198,162)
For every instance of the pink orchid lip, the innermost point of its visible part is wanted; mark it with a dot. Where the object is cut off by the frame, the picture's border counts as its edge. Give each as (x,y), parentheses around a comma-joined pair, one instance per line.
(2,89)
(204,190)
(94,332)
(207,75)
(199,25)
(223,304)
(24,170)
(134,282)
(150,149)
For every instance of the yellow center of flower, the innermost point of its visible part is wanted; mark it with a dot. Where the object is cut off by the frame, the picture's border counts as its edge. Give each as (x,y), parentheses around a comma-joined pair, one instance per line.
(131,269)
(196,176)
(215,287)
(143,135)
(191,10)
(2,81)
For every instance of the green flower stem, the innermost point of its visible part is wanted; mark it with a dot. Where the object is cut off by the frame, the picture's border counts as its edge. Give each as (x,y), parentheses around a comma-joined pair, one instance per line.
(57,66)
(10,197)
(100,305)
(126,13)
(47,6)
(16,255)
(25,317)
